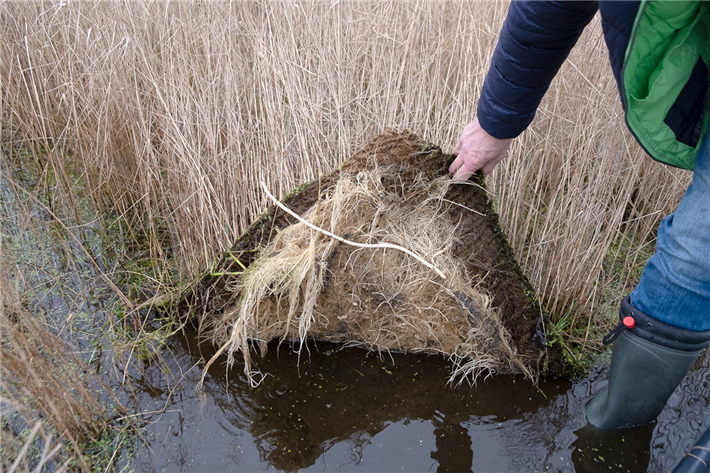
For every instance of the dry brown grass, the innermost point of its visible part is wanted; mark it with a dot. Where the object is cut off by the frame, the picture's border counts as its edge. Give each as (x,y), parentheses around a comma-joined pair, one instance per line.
(178,110)
(48,392)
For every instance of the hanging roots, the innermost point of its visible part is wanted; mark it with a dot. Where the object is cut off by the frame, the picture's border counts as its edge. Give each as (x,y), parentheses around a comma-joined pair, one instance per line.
(375,260)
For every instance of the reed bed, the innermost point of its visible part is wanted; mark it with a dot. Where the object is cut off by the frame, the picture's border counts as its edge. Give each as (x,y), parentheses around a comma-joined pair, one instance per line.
(175,112)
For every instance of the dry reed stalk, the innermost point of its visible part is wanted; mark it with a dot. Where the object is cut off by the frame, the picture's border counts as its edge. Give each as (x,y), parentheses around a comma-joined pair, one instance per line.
(22,461)
(178,110)
(46,386)
(579,181)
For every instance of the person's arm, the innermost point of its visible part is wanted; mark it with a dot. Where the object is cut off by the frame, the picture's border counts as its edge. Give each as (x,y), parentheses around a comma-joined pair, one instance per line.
(535,40)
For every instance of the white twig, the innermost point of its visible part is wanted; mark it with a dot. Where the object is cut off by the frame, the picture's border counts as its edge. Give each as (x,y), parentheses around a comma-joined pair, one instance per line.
(352,243)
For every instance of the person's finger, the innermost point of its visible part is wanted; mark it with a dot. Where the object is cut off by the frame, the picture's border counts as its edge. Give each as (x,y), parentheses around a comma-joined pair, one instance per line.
(463,173)
(458,162)
(489,166)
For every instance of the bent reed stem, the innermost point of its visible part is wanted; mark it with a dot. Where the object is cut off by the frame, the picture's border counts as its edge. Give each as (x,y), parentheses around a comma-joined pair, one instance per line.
(349,242)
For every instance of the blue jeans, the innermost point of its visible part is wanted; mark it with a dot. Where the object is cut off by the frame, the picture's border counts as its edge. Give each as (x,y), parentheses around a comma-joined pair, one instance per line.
(675,284)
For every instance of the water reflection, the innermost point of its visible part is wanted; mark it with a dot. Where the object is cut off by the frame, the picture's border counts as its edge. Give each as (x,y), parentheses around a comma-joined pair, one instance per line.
(348,396)
(350,410)
(684,418)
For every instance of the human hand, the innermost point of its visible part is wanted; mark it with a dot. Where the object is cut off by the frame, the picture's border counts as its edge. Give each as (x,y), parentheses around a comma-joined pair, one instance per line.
(476,150)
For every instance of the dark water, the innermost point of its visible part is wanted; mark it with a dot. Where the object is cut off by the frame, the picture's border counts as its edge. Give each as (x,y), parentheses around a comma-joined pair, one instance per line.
(350,410)
(338,409)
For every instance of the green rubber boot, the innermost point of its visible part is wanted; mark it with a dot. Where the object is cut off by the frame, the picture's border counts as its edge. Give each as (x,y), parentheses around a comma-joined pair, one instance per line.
(649,359)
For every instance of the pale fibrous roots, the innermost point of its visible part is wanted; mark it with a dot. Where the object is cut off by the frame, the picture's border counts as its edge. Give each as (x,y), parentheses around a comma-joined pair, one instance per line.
(307,284)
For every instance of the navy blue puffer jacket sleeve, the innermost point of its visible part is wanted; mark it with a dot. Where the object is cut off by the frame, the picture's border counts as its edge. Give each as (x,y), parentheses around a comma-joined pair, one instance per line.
(535,40)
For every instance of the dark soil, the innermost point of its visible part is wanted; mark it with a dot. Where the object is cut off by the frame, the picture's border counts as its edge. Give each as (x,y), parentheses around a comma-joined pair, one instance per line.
(479,243)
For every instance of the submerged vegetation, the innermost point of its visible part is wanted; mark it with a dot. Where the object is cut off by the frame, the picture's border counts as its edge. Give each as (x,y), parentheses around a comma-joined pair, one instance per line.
(55,414)
(73,330)
(169,116)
